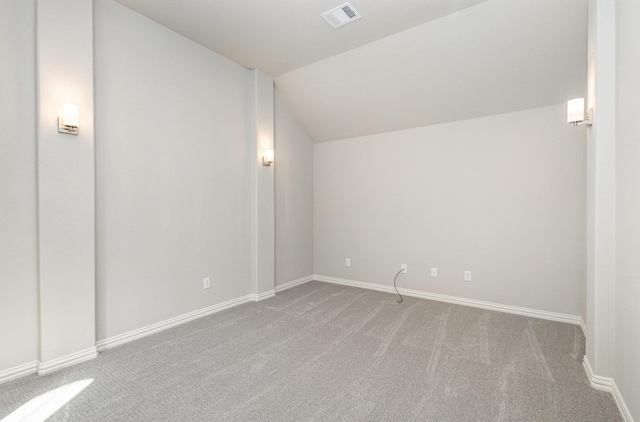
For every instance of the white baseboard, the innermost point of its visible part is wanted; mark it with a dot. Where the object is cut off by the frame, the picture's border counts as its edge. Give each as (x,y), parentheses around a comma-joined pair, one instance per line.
(534,313)
(63,362)
(608,385)
(43,368)
(257,297)
(597,382)
(172,322)
(293,283)
(18,371)
(583,325)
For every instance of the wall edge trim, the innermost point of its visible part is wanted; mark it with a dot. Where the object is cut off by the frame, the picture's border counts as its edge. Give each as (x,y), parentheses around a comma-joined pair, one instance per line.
(19,371)
(119,339)
(42,368)
(607,385)
(65,361)
(293,283)
(264,295)
(516,310)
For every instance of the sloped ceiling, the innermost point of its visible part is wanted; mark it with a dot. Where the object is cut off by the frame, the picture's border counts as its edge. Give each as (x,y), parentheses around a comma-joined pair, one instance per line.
(404,64)
(279,36)
(497,57)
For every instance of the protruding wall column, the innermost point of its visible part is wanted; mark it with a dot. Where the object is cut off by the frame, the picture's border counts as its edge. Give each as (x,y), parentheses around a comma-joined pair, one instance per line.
(265,187)
(66,183)
(601,188)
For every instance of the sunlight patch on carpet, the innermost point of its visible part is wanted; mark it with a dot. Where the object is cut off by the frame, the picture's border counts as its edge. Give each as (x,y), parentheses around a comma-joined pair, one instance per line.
(40,408)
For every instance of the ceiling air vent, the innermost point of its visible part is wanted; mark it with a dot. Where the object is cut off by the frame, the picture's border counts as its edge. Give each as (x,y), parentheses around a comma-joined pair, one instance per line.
(341,15)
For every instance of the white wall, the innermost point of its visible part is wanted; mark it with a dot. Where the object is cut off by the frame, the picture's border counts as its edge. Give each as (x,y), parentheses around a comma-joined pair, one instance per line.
(18,249)
(172,179)
(294,197)
(501,196)
(627,288)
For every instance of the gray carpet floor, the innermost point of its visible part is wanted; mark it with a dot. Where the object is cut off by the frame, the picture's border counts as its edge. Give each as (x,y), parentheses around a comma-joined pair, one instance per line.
(321,352)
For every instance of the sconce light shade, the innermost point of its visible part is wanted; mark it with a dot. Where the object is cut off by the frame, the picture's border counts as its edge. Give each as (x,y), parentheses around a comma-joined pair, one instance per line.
(267,157)
(575,110)
(70,114)
(70,119)
(575,113)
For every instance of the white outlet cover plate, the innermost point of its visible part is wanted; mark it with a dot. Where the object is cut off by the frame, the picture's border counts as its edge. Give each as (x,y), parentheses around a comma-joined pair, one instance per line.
(467,276)
(434,272)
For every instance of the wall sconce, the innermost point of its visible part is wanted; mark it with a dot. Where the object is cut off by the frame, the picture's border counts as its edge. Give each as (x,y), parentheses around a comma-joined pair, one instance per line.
(68,122)
(267,157)
(575,113)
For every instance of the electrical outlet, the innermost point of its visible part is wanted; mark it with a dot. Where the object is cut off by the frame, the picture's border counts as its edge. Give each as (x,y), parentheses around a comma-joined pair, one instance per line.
(467,276)
(434,272)
(348,262)
(404,268)
(207,283)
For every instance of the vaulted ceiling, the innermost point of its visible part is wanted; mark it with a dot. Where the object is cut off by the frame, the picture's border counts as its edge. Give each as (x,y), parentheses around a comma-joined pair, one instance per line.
(403,64)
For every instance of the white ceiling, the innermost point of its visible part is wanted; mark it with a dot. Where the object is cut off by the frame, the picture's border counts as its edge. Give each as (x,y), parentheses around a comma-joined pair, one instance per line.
(405,64)
(279,36)
(497,57)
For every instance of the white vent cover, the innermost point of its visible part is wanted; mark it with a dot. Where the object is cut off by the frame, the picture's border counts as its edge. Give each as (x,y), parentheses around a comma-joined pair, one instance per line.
(341,15)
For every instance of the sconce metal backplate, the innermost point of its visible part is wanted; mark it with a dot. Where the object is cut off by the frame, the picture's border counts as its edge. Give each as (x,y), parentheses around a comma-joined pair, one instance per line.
(71,130)
(588,121)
